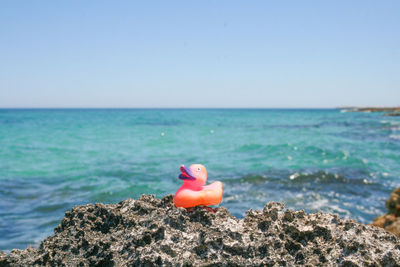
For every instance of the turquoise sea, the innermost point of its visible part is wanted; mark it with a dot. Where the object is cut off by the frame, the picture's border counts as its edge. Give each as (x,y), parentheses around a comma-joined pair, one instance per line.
(317,160)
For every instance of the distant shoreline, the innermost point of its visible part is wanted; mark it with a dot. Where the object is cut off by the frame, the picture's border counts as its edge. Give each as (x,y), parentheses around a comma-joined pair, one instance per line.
(371,109)
(166,109)
(388,111)
(174,108)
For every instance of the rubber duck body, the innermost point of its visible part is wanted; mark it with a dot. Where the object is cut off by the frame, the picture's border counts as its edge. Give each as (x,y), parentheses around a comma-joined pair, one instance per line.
(194,192)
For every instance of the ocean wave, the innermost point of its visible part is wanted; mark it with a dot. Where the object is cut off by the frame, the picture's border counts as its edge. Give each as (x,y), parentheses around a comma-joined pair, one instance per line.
(325,178)
(293,126)
(393,129)
(255,179)
(394,123)
(316,177)
(260,147)
(393,126)
(335,191)
(393,136)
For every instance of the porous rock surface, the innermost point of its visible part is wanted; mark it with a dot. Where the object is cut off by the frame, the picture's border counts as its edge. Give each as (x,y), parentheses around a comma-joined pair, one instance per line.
(153,232)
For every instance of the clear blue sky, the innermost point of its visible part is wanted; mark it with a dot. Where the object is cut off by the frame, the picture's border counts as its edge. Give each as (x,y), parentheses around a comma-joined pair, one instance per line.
(199,53)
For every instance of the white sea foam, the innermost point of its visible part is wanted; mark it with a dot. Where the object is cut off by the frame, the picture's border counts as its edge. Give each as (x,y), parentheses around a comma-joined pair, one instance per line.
(318,204)
(294,176)
(231,198)
(397,137)
(346,154)
(394,122)
(365,181)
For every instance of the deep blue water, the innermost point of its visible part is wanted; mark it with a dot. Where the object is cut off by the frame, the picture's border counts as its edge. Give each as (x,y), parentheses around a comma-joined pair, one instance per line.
(51,160)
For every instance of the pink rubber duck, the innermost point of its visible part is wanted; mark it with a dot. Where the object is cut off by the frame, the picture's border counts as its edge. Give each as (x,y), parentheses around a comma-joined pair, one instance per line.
(194,192)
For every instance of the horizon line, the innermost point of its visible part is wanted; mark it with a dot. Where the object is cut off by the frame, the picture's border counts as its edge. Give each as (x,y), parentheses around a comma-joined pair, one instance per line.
(173,108)
(337,107)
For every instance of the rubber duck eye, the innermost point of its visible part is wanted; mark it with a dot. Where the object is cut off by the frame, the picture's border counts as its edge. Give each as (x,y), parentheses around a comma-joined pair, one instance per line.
(198,169)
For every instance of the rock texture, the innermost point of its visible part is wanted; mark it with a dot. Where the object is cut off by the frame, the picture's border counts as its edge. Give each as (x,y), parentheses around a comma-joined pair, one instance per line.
(391,220)
(153,232)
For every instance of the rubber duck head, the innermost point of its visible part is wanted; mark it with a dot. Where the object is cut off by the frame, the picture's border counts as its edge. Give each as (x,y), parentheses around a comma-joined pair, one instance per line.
(193,176)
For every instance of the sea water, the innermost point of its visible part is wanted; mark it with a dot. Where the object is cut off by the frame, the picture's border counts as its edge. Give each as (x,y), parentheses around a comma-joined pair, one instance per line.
(316,160)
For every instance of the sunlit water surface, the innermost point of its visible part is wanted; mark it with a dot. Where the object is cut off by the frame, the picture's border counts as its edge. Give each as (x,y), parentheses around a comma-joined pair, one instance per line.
(317,160)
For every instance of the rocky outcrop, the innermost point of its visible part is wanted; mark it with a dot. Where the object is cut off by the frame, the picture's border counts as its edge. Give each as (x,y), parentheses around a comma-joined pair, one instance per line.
(153,232)
(391,220)
(386,111)
(372,109)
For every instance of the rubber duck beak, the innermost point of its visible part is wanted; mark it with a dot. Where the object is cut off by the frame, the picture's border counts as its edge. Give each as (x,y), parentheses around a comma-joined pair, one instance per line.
(186,174)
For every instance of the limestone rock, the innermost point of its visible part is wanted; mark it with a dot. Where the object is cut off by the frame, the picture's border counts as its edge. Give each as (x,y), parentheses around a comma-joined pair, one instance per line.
(391,220)
(153,232)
